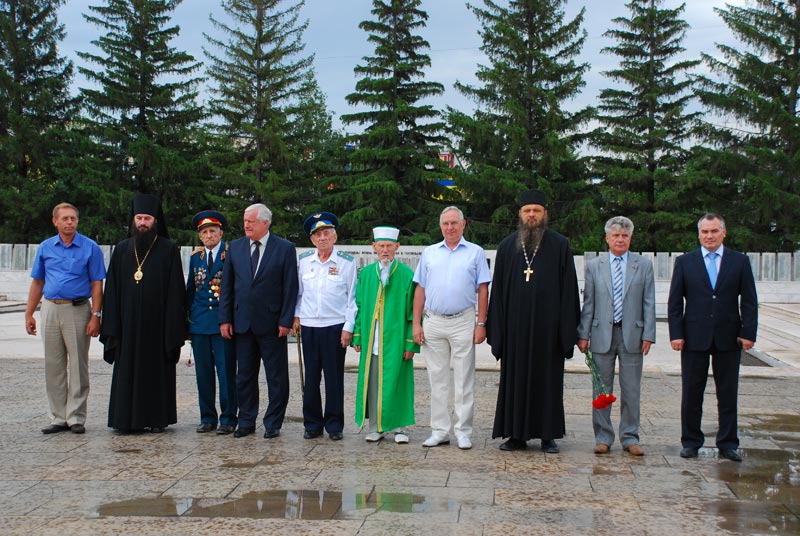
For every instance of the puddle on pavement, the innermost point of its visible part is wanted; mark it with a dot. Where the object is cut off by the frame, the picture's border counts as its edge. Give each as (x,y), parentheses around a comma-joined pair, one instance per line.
(602,470)
(154,506)
(785,425)
(743,517)
(282,504)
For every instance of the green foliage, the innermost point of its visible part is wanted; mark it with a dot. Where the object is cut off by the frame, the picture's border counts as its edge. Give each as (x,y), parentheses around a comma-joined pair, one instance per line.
(268,111)
(392,174)
(522,136)
(645,125)
(756,99)
(34,106)
(141,108)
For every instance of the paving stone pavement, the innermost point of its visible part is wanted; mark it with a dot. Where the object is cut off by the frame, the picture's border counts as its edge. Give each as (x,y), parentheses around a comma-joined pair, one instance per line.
(181,482)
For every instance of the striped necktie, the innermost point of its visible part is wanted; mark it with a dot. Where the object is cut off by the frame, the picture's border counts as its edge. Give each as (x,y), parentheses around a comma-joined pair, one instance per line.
(617,290)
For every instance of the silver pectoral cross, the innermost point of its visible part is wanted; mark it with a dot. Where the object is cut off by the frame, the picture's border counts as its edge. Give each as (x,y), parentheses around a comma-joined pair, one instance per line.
(528,273)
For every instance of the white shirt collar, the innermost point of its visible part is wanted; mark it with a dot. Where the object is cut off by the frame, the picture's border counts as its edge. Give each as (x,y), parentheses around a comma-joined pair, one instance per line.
(262,240)
(215,250)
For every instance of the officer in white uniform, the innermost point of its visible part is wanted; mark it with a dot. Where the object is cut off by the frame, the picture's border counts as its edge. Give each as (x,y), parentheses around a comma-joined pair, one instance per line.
(325,315)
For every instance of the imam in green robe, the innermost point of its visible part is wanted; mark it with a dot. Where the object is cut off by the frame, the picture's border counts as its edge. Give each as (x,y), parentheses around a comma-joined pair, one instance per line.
(390,306)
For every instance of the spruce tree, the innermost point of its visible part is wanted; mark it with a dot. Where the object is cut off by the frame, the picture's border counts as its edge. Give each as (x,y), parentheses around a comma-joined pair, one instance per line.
(645,125)
(755,96)
(262,82)
(141,110)
(35,108)
(521,135)
(394,168)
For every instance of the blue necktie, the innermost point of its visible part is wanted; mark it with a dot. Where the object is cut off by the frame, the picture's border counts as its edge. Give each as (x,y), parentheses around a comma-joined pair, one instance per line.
(712,268)
(254,257)
(617,290)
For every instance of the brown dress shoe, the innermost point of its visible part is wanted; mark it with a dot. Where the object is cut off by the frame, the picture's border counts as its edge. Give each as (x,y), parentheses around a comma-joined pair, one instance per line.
(634,450)
(601,448)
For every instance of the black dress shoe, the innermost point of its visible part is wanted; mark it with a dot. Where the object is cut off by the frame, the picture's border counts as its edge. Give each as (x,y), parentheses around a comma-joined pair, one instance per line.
(513,444)
(688,452)
(225,429)
(156,429)
(549,446)
(731,454)
(55,428)
(242,432)
(335,436)
(271,434)
(310,434)
(205,427)
(77,428)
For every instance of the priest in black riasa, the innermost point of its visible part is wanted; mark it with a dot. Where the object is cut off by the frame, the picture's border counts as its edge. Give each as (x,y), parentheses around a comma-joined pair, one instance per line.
(532,327)
(143,322)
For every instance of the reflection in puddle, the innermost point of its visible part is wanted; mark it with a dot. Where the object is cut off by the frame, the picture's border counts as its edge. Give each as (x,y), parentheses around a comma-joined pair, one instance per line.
(781,423)
(155,506)
(766,483)
(282,504)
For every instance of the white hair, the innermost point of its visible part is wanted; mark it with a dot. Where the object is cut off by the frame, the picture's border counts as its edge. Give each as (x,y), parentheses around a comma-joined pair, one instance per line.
(264,214)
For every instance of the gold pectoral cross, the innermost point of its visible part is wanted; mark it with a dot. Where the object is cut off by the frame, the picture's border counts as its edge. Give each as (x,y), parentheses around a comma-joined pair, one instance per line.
(528,273)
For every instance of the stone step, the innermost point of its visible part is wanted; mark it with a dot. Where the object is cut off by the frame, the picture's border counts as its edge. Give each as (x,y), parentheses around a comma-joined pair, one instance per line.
(789,311)
(789,331)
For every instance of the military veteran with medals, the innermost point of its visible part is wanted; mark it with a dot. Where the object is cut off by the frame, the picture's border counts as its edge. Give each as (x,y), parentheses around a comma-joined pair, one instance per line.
(325,314)
(213,354)
(384,337)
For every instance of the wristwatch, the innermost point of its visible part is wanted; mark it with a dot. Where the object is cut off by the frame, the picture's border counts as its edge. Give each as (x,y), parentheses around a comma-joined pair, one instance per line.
(98,314)
(481,324)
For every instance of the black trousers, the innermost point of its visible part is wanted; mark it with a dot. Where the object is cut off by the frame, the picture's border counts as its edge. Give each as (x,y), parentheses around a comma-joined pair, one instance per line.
(323,355)
(694,375)
(251,350)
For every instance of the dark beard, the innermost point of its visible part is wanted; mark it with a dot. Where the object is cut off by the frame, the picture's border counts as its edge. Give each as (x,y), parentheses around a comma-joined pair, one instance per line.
(143,240)
(530,237)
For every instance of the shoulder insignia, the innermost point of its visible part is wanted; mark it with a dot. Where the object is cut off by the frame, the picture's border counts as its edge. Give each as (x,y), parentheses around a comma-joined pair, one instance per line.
(344,255)
(306,254)
(198,249)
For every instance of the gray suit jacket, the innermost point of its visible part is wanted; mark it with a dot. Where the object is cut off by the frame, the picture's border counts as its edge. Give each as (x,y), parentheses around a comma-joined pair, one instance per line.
(638,304)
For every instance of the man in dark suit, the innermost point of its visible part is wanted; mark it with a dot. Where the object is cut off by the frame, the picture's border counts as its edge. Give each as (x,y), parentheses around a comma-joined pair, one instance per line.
(212,353)
(257,304)
(618,321)
(713,311)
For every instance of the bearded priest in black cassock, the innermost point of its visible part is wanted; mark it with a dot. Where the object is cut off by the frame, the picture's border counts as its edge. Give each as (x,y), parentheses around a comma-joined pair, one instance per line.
(143,322)
(532,327)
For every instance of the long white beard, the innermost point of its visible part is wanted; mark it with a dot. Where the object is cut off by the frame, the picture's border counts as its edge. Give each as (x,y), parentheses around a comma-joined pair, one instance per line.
(385,264)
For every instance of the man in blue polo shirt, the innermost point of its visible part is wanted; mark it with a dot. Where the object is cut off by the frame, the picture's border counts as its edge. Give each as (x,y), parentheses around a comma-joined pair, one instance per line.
(68,270)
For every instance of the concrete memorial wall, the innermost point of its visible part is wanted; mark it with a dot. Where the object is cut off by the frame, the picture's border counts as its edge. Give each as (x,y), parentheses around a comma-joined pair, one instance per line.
(777,274)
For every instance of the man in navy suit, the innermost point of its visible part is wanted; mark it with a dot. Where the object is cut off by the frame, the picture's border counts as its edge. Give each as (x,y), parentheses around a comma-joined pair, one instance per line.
(256,308)
(713,311)
(211,352)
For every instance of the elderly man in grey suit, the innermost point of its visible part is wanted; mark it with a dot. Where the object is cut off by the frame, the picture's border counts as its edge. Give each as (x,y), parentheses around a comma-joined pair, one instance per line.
(618,320)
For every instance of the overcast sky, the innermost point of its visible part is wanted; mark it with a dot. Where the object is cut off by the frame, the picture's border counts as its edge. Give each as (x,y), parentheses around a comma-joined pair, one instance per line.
(336,41)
